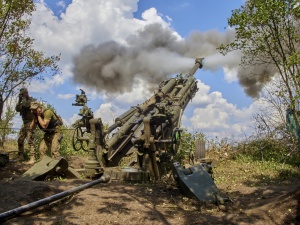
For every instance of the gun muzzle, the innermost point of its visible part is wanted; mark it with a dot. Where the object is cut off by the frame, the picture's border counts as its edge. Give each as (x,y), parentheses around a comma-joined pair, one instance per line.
(198,64)
(199,61)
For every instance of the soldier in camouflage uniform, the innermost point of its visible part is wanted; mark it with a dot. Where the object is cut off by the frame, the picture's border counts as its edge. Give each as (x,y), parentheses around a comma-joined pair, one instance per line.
(48,122)
(23,107)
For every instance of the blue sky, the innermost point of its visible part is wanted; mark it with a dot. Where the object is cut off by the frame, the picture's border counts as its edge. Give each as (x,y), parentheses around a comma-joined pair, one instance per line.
(220,107)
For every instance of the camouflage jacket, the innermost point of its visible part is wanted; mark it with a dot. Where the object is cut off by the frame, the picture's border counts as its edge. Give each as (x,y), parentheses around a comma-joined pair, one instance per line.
(23,108)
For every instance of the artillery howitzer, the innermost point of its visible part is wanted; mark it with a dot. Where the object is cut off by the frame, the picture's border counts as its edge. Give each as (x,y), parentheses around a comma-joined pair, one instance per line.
(152,132)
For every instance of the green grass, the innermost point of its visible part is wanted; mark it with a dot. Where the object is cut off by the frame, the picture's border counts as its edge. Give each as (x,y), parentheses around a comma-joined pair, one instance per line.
(66,147)
(245,165)
(246,171)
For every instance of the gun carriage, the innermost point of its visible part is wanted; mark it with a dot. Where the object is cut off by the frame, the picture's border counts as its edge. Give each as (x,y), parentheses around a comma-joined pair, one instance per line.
(150,130)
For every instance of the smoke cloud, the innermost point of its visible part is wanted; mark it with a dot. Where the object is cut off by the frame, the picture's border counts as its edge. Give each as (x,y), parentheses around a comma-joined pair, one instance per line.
(254,78)
(155,53)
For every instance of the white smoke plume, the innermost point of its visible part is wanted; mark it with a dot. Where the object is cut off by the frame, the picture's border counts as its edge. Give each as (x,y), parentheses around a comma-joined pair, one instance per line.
(156,52)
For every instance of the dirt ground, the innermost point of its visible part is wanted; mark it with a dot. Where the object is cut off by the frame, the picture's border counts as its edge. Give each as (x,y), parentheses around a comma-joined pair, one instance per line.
(132,203)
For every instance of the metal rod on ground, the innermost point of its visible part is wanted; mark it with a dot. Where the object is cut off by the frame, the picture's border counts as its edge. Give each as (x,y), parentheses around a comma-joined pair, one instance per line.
(17,211)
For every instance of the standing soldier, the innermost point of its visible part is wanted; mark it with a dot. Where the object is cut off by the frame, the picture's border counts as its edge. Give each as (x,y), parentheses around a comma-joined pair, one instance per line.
(23,107)
(50,123)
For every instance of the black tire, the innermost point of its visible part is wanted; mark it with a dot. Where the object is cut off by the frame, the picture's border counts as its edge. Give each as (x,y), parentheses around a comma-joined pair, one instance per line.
(85,143)
(77,144)
(176,138)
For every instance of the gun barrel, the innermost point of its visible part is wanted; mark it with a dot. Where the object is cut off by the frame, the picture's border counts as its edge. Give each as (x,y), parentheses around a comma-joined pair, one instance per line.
(17,211)
(198,64)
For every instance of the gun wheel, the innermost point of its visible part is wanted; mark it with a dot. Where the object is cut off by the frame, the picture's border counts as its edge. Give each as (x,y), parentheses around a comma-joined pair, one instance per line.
(176,137)
(77,144)
(84,144)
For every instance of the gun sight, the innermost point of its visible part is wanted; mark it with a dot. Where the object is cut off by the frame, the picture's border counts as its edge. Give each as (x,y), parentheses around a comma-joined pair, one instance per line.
(81,99)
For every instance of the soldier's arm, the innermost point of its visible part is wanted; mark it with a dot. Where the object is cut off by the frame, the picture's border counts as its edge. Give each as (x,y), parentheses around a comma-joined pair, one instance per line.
(33,124)
(18,107)
(26,102)
(43,122)
(20,104)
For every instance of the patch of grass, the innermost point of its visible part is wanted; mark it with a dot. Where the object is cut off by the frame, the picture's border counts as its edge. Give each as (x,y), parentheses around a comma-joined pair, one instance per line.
(254,163)
(244,170)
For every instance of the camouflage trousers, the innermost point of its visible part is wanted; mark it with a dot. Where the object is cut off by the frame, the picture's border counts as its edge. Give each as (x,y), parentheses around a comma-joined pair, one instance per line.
(28,134)
(50,145)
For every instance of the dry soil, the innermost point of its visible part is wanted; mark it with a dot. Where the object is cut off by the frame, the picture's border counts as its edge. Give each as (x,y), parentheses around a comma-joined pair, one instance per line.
(132,203)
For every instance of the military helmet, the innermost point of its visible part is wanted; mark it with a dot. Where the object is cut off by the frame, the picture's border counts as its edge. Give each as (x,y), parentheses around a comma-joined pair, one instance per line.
(23,90)
(34,105)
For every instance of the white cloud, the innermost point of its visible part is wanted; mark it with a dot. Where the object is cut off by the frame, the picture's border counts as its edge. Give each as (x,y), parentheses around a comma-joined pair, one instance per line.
(210,113)
(230,74)
(72,120)
(83,23)
(215,116)
(203,97)
(151,15)
(36,86)
(65,96)
(97,21)
(62,4)
(108,112)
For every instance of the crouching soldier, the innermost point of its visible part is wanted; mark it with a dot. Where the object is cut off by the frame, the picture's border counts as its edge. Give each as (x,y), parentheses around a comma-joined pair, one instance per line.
(49,122)
(23,107)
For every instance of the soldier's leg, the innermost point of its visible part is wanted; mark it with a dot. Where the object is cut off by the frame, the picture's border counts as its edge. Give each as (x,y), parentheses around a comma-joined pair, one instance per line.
(21,140)
(30,138)
(55,145)
(43,148)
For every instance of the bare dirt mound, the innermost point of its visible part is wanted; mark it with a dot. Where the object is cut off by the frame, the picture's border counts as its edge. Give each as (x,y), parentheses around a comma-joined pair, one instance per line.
(131,203)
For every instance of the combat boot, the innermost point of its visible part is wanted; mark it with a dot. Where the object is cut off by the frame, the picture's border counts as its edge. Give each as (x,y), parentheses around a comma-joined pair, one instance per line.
(31,160)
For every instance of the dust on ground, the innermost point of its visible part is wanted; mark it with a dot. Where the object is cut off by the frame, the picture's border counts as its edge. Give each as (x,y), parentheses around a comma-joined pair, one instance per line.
(135,203)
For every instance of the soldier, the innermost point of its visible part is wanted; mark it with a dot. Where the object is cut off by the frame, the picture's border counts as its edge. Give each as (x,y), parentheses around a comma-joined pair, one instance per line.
(50,123)
(26,132)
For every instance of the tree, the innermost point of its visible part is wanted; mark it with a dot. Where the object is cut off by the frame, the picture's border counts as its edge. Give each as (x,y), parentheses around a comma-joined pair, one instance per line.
(267,33)
(6,123)
(19,63)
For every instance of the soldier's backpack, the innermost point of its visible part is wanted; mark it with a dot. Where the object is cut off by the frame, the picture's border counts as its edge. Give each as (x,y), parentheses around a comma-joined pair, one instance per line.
(59,118)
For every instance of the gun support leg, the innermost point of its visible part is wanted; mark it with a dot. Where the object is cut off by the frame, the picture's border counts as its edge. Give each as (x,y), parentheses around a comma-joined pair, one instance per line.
(153,159)
(92,165)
